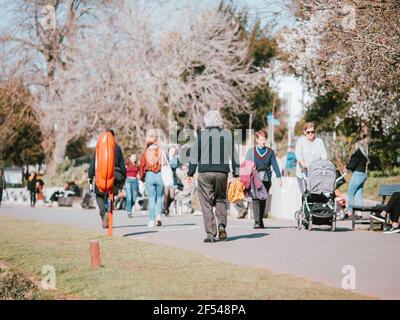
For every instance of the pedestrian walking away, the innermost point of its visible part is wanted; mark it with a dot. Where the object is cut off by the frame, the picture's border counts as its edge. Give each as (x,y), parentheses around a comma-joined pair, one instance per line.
(215,149)
(131,187)
(119,178)
(150,166)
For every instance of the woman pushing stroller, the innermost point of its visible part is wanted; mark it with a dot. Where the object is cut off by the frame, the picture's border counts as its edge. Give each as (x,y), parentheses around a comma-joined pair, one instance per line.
(308,149)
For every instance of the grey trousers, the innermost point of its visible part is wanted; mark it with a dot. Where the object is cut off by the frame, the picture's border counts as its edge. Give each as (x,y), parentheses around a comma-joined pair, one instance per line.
(212,194)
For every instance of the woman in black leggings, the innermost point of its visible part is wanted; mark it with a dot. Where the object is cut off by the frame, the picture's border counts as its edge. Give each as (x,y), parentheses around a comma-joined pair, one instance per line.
(393,209)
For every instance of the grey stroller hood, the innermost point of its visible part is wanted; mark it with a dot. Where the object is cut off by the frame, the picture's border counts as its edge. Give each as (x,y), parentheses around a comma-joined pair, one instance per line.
(321,177)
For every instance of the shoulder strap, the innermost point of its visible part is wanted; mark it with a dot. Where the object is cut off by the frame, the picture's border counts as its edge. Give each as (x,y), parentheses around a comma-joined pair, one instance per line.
(164,157)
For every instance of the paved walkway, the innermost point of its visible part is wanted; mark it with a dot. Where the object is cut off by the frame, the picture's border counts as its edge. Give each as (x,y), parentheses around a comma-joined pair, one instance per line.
(317,255)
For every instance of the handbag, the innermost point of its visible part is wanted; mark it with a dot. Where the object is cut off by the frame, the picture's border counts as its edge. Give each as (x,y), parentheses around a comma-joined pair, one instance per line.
(257,189)
(235,191)
(166,173)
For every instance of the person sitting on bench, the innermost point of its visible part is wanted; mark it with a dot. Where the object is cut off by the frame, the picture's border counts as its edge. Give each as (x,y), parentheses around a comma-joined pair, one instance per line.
(393,209)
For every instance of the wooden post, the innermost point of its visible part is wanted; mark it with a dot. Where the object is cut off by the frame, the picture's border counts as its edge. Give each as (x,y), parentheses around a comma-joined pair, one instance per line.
(95,254)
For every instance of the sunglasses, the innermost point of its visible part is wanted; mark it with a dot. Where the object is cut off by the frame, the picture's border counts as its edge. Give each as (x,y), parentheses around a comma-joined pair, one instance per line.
(309,132)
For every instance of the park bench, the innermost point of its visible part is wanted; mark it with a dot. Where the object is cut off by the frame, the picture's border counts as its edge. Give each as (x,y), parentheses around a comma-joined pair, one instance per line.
(384,191)
(68,198)
(184,200)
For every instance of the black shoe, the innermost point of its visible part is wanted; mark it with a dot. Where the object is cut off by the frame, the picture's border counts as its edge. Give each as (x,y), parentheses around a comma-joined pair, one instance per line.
(378,217)
(392,230)
(209,240)
(222,233)
(105,221)
(258,225)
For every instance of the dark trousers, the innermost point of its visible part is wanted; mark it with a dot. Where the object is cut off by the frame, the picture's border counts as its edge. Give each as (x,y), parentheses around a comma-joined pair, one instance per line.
(1,195)
(55,196)
(212,194)
(101,204)
(169,196)
(393,207)
(259,205)
(33,198)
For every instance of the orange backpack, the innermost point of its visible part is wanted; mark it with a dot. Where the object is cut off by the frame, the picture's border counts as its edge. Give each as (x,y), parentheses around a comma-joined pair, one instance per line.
(105,156)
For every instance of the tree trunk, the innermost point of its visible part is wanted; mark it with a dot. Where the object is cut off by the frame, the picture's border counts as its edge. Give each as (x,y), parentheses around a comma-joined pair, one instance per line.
(60,147)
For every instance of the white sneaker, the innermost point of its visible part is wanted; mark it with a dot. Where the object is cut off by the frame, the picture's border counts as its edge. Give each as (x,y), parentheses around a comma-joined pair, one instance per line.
(392,230)
(151,224)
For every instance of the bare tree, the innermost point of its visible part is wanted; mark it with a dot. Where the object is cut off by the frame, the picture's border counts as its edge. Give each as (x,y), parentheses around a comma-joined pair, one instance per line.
(139,79)
(111,66)
(350,46)
(208,67)
(42,42)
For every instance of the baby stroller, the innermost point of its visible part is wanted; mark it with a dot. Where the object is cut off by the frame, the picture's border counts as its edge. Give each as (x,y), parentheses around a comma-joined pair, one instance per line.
(318,200)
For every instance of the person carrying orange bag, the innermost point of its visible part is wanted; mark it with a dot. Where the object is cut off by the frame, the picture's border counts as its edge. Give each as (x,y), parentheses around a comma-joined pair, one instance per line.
(108,177)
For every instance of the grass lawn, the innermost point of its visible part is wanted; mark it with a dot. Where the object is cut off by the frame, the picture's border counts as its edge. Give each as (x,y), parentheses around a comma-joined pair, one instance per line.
(135,269)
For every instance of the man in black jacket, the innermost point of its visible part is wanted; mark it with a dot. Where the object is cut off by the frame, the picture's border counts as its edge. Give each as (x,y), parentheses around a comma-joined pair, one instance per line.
(215,148)
(119,180)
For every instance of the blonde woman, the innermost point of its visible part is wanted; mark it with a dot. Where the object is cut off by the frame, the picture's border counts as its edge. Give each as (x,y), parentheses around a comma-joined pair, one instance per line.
(358,165)
(151,162)
(308,149)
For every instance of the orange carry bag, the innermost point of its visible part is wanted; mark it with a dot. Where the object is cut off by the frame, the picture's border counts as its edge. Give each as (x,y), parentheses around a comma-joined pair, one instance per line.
(235,191)
(105,156)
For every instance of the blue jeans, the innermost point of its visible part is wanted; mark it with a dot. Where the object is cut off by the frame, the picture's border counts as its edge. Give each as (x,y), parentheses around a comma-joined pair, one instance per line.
(131,189)
(356,188)
(155,191)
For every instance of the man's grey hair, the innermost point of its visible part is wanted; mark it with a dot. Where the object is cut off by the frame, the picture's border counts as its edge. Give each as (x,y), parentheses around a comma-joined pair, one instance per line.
(213,119)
